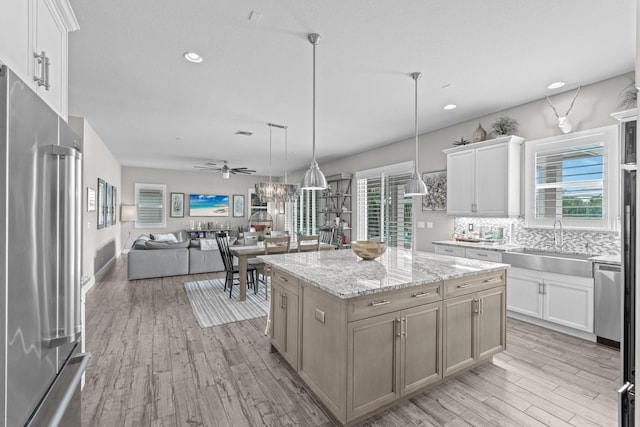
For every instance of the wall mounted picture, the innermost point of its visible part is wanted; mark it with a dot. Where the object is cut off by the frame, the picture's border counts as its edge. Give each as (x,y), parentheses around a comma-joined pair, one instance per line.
(114,205)
(177,205)
(109,206)
(208,205)
(436,182)
(91,199)
(102,202)
(238,205)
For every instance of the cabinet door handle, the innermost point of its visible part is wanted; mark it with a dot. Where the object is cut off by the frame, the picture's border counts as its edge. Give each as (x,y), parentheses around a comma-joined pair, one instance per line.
(398,327)
(47,65)
(482,255)
(284,279)
(493,279)
(39,68)
(379,303)
(286,301)
(464,285)
(448,250)
(421,294)
(481,305)
(476,306)
(406,327)
(540,288)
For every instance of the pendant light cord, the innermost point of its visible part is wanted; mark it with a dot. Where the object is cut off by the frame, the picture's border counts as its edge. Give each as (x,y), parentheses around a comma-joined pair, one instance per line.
(315,42)
(270,133)
(416,77)
(285,154)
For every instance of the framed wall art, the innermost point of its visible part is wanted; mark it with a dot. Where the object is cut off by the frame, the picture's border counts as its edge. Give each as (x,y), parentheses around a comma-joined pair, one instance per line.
(114,205)
(208,205)
(102,203)
(238,205)
(177,205)
(436,182)
(91,199)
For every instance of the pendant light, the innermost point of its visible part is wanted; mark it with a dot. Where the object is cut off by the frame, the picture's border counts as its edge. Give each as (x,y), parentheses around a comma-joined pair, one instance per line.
(416,187)
(314,179)
(277,191)
(267,190)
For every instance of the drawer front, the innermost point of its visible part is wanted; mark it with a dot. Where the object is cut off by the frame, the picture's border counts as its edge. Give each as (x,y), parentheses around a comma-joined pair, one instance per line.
(285,280)
(470,284)
(374,305)
(484,255)
(449,250)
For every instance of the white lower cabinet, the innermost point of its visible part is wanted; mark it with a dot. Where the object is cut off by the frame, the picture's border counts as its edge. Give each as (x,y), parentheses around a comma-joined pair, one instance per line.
(557,298)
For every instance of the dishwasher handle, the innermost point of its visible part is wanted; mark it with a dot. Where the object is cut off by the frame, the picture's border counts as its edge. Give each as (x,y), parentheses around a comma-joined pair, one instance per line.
(606,267)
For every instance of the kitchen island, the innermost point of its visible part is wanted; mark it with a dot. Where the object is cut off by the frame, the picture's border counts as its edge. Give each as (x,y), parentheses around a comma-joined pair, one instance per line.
(363,335)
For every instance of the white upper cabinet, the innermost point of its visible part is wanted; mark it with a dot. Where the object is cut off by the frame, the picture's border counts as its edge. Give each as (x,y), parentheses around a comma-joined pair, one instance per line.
(38,31)
(483,179)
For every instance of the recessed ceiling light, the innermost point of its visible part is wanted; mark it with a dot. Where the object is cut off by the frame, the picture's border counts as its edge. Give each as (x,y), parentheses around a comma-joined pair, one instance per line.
(244,133)
(555,85)
(255,17)
(192,57)
(449,106)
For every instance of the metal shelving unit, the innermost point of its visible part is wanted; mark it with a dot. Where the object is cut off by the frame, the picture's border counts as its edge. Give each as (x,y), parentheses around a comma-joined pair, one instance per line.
(336,208)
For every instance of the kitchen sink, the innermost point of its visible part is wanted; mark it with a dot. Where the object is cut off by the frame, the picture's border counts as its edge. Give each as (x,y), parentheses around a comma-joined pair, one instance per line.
(553,262)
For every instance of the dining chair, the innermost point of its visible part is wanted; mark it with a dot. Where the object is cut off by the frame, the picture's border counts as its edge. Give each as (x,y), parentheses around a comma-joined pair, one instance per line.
(278,233)
(308,243)
(272,245)
(326,236)
(229,267)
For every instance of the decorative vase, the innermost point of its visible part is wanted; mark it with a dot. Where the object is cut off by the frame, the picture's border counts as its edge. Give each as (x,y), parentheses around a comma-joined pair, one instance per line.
(479,134)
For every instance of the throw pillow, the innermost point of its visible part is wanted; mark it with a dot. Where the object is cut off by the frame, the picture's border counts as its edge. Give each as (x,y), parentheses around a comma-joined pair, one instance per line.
(208,244)
(168,237)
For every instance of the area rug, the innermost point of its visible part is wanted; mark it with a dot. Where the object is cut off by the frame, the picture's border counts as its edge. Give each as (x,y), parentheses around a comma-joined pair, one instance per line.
(212,305)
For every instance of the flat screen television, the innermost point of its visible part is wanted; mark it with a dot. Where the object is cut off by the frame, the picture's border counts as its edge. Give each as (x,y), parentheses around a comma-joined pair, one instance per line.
(208,205)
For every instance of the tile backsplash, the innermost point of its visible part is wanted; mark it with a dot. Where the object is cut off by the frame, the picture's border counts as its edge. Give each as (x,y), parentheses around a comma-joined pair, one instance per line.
(574,240)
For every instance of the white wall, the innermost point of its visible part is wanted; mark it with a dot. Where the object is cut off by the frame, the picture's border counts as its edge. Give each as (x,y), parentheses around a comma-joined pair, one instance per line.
(99,162)
(536,120)
(187,182)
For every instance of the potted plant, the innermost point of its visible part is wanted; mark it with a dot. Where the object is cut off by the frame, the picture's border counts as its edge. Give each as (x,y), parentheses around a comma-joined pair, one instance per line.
(261,239)
(504,126)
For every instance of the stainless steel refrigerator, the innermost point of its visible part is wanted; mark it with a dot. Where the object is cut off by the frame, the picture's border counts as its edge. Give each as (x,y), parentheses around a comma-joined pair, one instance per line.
(40,267)
(626,394)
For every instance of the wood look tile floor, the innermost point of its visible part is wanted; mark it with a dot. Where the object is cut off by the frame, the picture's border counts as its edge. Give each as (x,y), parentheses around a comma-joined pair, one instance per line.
(153,365)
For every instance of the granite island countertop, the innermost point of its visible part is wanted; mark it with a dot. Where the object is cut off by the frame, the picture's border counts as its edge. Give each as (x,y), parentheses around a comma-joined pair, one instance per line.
(343,274)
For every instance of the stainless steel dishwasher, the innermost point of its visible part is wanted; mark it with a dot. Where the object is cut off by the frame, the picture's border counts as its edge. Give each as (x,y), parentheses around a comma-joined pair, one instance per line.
(607,320)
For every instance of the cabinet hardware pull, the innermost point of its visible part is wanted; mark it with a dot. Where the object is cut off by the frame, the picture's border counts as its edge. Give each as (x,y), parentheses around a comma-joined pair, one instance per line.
(476,306)
(481,305)
(465,285)
(484,255)
(421,294)
(286,299)
(284,279)
(39,71)
(376,304)
(540,288)
(398,325)
(406,327)
(493,279)
(448,250)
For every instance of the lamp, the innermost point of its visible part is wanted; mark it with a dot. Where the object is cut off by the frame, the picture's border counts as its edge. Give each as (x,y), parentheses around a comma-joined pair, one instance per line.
(416,187)
(314,179)
(225,171)
(128,213)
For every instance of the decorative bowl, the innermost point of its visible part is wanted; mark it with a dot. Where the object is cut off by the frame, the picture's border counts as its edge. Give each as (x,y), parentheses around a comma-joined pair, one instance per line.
(368,249)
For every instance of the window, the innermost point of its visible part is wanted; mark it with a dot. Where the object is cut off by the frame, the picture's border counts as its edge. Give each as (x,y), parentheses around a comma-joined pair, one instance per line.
(383,213)
(573,178)
(303,214)
(150,200)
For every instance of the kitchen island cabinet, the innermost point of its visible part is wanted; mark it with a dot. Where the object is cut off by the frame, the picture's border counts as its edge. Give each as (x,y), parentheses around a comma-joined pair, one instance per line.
(371,333)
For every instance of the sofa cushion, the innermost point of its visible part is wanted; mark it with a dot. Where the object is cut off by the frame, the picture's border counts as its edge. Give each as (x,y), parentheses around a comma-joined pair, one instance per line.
(153,244)
(208,244)
(140,242)
(164,237)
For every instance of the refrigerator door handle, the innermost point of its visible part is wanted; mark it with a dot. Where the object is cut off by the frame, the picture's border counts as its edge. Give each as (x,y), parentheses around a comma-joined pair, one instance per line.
(54,404)
(69,323)
(625,394)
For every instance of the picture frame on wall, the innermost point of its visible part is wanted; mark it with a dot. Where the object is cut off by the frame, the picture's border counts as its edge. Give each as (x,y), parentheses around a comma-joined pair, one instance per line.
(109,206)
(114,205)
(177,205)
(238,205)
(436,182)
(102,199)
(91,199)
(208,205)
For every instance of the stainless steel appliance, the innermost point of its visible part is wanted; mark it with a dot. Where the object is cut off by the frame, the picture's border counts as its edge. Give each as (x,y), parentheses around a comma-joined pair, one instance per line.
(607,321)
(40,207)
(626,393)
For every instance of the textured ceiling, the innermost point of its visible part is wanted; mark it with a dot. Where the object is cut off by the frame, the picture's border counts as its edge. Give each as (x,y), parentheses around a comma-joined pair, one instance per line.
(153,109)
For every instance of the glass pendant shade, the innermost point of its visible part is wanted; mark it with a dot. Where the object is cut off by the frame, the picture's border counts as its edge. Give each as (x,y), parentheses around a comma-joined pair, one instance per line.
(277,191)
(416,187)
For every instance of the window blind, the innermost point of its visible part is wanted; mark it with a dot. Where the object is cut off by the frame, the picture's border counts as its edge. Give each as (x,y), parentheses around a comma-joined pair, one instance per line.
(569,183)
(383,211)
(303,214)
(150,201)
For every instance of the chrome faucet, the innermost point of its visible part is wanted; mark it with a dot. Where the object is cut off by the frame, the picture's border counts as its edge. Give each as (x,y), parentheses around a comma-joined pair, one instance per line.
(558,238)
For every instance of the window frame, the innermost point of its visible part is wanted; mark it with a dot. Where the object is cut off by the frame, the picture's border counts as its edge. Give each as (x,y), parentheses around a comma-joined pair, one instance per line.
(163,206)
(609,138)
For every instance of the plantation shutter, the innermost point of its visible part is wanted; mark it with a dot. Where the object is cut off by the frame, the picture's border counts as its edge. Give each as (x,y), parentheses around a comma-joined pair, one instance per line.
(151,207)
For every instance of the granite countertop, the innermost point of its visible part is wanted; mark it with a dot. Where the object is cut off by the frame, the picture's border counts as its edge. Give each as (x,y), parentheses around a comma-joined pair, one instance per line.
(601,258)
(345,275)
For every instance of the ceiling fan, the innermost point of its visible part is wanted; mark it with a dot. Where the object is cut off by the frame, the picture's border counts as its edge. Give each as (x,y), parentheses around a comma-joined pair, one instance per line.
(225,169)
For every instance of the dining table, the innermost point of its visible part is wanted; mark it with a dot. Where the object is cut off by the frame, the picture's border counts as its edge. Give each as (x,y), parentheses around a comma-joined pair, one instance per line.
(245,252)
